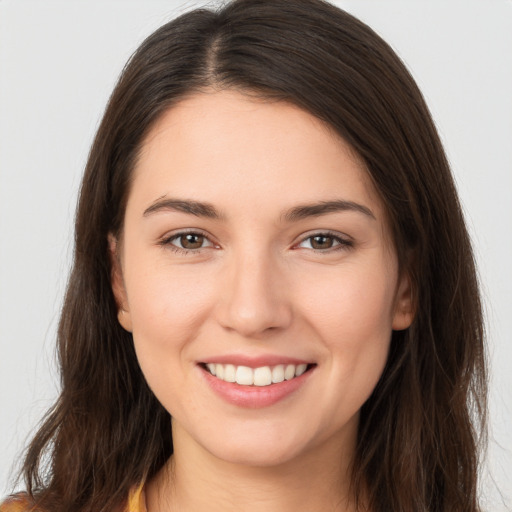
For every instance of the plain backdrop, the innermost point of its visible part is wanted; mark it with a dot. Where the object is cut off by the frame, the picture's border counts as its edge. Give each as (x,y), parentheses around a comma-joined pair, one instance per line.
(59,61)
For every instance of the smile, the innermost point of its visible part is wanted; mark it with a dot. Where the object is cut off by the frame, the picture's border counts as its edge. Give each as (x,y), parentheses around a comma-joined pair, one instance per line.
(261,376)
(255,382)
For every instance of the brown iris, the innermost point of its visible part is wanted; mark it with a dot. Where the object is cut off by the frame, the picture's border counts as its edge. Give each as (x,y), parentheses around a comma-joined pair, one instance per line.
(322,242)
(191,241)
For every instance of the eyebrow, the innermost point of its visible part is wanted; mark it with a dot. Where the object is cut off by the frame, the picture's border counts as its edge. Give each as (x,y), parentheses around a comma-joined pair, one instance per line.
(324,208)
(196,208)
(201,209)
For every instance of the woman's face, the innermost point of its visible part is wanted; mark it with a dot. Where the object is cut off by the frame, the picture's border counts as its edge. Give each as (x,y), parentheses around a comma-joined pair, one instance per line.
(256,248)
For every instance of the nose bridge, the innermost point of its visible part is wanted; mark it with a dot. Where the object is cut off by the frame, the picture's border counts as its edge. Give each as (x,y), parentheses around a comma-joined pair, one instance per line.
(255,293)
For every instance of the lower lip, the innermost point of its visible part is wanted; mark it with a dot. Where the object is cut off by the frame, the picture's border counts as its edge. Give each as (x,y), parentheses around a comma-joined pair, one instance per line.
(254,396)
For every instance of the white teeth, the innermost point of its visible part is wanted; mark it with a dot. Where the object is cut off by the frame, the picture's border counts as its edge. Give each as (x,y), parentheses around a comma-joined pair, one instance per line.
(262,376)
(245,376)
(229,373)
(301,368)
(278,373)
(289,372)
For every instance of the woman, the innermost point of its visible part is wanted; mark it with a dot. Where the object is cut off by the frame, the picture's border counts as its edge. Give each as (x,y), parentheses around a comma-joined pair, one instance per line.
(269,250)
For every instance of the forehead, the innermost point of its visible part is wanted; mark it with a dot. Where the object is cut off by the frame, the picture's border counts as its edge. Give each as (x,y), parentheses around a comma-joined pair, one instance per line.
(224,146)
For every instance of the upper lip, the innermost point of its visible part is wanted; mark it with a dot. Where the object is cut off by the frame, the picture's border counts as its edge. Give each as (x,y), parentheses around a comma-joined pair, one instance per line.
(254,361)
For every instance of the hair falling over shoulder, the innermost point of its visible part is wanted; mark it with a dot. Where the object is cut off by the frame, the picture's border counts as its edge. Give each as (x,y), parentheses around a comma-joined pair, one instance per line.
(420,432)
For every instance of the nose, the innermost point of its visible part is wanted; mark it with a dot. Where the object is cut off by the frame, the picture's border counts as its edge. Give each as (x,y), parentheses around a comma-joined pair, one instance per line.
(253,299)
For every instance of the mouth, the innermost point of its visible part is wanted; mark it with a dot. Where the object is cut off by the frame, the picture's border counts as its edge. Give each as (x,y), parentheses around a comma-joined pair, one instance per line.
(257,377)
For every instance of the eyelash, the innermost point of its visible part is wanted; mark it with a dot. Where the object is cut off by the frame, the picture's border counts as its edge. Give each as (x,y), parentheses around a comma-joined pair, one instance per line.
(167,242)
(342,243)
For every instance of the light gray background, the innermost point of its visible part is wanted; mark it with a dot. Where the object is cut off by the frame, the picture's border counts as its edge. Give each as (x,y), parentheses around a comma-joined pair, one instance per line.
(58,63)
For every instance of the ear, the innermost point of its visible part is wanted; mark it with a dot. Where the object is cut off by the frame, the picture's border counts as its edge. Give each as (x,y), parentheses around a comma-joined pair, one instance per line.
(404,304)
(117,283)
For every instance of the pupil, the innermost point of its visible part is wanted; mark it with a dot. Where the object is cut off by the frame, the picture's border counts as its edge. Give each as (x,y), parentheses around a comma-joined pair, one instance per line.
(192,241)
(321,242)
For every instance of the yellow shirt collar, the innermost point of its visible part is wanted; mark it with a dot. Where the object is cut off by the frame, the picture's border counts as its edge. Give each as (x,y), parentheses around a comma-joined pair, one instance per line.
(137,499)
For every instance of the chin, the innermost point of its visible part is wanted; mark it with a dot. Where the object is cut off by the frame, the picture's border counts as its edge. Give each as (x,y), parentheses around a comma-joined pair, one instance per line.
(265,448)
(254,456)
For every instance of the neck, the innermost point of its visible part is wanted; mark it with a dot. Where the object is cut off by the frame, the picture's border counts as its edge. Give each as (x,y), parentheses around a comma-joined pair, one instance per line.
(195,480)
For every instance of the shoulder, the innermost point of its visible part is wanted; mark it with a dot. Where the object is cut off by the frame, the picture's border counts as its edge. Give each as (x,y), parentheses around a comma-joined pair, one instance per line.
(18,503)
(22,502)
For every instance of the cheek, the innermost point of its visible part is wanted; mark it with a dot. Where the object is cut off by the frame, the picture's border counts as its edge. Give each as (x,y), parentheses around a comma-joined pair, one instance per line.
(166,299)
(352,316)
(353,302)
(167,308)
(166,320)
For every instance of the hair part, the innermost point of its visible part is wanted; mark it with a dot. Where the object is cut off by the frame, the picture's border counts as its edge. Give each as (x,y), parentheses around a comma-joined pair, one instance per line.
(419,431)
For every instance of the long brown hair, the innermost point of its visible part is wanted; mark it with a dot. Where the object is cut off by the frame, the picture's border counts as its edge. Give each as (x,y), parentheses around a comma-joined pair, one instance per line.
(419,431)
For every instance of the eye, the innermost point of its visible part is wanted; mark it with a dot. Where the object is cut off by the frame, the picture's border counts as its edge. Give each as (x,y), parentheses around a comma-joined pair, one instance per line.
(190,241)
(325,242)
(187,242)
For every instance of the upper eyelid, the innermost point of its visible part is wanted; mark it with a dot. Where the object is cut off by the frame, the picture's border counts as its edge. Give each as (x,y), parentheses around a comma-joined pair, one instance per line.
(186,231)
(326,232)
(168,238)
(344,242)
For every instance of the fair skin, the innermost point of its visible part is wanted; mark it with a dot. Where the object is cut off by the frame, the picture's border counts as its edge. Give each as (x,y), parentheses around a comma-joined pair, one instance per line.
(253,238)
